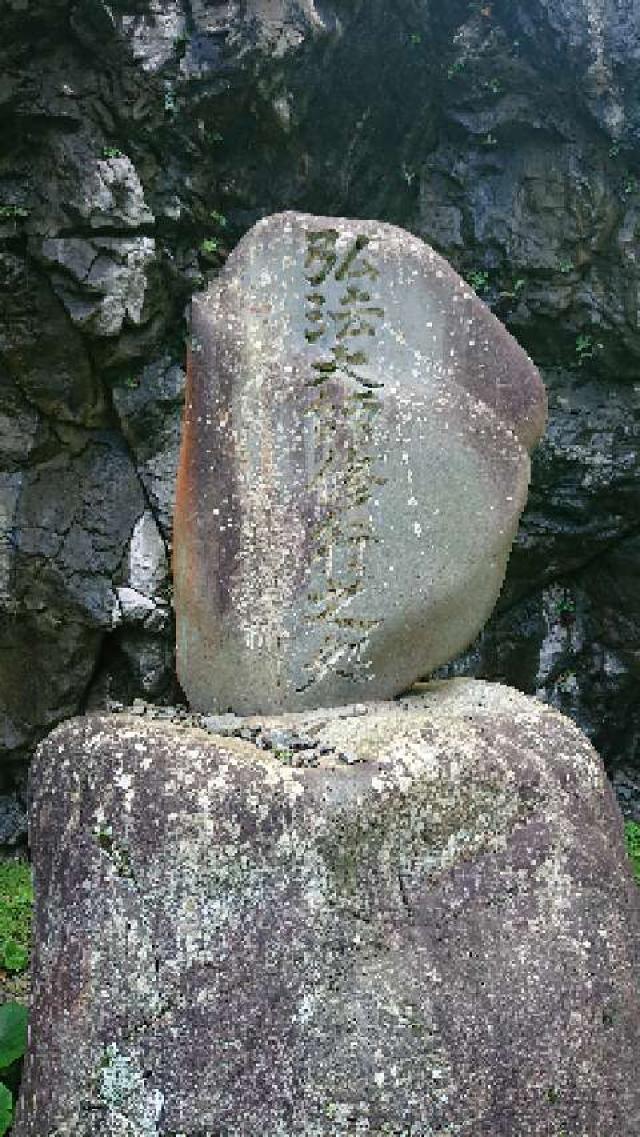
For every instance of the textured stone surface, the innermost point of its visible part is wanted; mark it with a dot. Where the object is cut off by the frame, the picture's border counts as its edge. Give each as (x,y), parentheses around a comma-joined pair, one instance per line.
(353,466)
(429,925)
(505,134)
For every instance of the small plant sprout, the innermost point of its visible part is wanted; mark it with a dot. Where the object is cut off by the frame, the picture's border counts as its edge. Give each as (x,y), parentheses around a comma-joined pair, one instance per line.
(479,280)
(565,610)
(209,246)
(111,152)
(586,348)
(219,218)
(565,267)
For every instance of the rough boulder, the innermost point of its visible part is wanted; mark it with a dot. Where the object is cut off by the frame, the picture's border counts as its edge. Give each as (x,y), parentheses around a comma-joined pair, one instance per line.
(408,918)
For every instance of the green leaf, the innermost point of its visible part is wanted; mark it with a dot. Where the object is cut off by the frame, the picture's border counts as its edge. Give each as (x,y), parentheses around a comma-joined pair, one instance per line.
(632,835)
(13,1032)
(209,245)
(15,957)
(6,1109)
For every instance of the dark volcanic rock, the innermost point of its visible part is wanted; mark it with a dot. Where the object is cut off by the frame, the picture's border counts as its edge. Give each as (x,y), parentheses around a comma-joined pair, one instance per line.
(141,139)
(441,936)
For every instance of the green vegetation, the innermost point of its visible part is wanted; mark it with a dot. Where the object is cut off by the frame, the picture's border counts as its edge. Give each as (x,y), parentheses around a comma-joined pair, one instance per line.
(632,837)
(13,1043)
(13,212)
(515,290)
(13,1033)
(131,382)
(16,905)
(111,152)
(284,755)
(566,604)
(210,246)
(584,348)
(6,1108)
(455,68)
(479,280)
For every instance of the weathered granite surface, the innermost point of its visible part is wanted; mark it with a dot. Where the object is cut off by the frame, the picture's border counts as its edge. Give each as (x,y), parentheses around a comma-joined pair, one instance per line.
(408,918)
(354,462)
(505,134)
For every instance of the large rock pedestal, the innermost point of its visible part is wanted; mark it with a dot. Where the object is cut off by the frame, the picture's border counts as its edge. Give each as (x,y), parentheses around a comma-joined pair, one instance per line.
(409,918)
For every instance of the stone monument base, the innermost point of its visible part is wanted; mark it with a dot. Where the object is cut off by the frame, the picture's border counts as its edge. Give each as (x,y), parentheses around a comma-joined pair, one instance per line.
(407,918)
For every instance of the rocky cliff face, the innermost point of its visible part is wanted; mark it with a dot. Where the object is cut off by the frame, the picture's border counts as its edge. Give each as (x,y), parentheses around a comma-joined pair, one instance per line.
(141,138)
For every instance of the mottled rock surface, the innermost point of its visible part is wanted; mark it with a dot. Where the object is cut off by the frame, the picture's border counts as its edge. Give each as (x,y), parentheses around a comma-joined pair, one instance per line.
(354,463)
(395,918)
(145,137)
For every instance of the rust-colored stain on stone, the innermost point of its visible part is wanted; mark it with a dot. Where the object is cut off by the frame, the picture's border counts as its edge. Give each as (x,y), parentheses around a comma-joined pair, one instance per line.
(186,490)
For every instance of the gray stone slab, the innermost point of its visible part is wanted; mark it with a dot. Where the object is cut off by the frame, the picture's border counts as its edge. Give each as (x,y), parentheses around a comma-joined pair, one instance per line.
(354,463)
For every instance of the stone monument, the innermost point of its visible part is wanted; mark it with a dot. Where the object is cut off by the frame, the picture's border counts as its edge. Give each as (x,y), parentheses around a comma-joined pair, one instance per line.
(408,917)
(355,458)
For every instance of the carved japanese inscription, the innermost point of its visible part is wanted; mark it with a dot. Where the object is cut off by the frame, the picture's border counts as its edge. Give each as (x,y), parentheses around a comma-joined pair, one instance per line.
(347,471)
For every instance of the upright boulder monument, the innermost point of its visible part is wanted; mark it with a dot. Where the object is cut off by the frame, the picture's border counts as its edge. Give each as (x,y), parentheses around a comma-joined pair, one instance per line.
(355,458)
